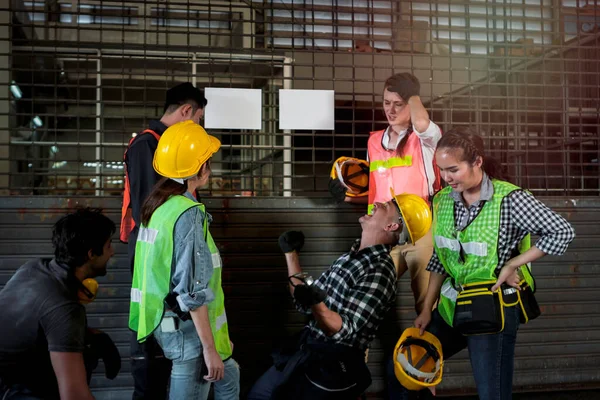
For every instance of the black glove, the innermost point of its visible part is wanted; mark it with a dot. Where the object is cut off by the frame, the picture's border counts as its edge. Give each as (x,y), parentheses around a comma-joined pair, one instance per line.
(308,296)
(291,241)
(102,346)
(407,87)
(337,190)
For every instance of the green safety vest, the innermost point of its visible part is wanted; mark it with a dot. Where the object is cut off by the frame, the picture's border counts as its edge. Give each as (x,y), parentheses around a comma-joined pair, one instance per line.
(479,243)
(152,274)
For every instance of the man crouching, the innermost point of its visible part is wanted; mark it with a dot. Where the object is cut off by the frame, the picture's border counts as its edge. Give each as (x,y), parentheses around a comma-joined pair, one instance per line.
(46,349)
(347,303)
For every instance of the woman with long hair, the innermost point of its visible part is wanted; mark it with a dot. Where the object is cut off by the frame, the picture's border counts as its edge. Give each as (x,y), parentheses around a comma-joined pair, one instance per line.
(176,293)
(480,272)
(401,157)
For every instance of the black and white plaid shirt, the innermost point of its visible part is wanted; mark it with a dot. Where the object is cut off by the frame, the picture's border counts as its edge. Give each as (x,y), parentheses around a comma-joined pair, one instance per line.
(520,214)
(360,287)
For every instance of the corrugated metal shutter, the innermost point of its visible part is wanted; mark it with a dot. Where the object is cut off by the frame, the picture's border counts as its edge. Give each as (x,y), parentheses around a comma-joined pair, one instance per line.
(560,349)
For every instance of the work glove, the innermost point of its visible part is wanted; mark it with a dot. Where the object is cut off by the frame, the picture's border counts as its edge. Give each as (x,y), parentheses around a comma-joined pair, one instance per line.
(337,190)
(307,296)
(291,241)
(407,88)
(102,346)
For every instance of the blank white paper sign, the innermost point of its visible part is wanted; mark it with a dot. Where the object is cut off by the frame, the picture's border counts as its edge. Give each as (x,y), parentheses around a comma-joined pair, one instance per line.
(306,109)
(233,108)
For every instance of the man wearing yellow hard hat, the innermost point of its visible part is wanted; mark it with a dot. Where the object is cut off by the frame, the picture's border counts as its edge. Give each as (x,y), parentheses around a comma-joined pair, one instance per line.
(347,304)
(176,294)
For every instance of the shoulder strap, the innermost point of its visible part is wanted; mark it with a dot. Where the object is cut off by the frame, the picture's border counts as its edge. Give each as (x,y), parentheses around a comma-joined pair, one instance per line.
(150,131)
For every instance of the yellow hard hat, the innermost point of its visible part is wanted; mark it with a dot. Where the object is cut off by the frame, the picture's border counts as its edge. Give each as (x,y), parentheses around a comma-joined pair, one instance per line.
(182,149)
(415,212)
(353,173)
(418,360)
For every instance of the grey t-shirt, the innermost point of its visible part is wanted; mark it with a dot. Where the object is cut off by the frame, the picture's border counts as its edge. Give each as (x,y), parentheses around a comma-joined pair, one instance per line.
(40,313)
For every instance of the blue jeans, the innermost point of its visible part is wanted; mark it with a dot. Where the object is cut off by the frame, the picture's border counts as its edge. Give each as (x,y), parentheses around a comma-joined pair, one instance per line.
(184,348)
(491,356)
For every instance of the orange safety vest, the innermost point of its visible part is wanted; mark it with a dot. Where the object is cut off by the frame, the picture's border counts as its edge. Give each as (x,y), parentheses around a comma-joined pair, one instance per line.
(405,174)
(127,222)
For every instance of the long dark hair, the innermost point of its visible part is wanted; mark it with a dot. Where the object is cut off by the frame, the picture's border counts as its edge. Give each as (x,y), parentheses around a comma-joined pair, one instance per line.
(392,84)
(161,192)
(471,144)
(164,189)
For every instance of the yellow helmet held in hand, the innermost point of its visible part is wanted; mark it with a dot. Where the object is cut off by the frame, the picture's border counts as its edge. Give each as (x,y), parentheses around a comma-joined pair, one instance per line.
(418,360)
(182,149)
(415,212)
(353,174)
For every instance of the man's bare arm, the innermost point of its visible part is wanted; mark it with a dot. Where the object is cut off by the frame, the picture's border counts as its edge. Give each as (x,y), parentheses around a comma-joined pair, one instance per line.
(70,372)
(293,265)
(329,321)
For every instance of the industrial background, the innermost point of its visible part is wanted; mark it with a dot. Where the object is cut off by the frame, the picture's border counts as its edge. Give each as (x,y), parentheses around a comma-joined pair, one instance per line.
(78,78)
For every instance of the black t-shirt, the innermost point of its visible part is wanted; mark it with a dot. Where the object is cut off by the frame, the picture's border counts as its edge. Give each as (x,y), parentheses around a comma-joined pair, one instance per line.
(39,313)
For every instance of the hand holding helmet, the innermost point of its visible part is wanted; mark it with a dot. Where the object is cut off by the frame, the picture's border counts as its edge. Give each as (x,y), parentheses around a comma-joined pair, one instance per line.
(349,177)
(418,360)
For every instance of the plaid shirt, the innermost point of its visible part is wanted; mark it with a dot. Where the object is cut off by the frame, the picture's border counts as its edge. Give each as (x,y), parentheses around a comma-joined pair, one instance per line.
(520,214)
(360,287)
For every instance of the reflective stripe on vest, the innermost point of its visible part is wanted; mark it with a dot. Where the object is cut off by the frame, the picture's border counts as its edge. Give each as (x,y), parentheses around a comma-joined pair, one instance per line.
(392,162)
(127,222)
(216,308)
(471,255)
(387,170)
(474,248)
(152,272)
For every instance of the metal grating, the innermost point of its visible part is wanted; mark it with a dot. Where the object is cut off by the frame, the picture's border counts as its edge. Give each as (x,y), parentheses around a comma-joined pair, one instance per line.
(79,77)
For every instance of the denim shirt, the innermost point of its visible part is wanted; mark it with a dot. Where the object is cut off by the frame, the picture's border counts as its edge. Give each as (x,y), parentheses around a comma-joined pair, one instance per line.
(192,262)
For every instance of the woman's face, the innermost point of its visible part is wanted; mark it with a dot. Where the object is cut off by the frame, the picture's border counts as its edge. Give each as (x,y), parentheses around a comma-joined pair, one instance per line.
(396,110)
(459,174)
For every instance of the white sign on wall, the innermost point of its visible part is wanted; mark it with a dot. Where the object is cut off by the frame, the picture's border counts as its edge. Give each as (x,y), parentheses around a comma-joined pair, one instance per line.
(233,108)
(306,109)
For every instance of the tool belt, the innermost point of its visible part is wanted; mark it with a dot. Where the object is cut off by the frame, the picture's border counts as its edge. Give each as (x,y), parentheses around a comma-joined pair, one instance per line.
(529,308)
(479,311)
